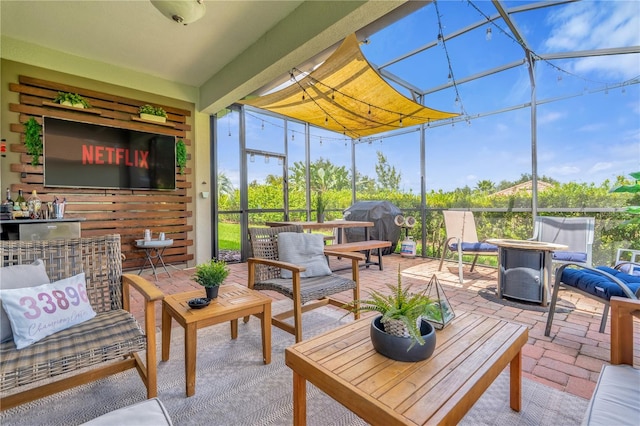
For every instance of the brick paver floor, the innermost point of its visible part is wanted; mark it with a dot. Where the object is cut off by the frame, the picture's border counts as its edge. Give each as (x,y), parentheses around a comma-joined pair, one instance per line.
(569,360)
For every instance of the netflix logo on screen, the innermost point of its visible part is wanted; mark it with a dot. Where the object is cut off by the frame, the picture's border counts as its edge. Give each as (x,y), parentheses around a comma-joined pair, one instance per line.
(85,155)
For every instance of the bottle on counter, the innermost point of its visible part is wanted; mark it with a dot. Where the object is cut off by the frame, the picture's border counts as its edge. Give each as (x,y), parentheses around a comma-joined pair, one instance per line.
(8,202)
(17,205)
(34,204)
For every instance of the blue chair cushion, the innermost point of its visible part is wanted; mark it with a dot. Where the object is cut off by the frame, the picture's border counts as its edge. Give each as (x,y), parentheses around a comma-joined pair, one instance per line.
(474,247)
(599,285)
(569,256)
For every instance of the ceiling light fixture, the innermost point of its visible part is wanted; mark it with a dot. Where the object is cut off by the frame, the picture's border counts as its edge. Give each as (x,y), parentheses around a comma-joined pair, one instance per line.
(181,11)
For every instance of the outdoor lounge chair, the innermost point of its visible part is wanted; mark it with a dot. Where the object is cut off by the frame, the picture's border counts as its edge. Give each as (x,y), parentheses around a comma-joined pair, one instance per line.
(575,232)
(462,238)
(601,284)
(267,268)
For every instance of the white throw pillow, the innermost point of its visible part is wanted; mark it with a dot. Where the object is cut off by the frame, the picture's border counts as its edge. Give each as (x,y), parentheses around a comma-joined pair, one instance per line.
(37,312)
(303,249)
(19,276)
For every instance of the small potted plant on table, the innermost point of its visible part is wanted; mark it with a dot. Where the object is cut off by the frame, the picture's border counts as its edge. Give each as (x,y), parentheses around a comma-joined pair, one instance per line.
(152,113)
(210,275)
(401,331)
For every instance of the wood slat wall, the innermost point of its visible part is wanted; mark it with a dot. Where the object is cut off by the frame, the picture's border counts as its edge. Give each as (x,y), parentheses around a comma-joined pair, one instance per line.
(107,211)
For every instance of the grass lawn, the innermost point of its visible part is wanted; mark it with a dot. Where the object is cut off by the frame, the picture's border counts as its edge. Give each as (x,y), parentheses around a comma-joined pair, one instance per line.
(229,236)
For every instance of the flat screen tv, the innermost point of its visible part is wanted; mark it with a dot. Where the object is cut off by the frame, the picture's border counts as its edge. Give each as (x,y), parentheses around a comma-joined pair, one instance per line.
(84,155)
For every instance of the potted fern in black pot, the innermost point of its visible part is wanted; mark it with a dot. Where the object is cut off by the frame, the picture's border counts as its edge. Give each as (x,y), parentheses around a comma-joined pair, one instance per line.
(401,331)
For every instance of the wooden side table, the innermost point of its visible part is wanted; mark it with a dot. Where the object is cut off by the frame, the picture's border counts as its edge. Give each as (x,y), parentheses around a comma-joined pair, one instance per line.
(234,301)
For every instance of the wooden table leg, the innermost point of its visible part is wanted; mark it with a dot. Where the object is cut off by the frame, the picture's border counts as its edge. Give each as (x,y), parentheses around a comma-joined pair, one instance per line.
(265,319)
(299,400)
(166,333)
(190,342)
(234,329)
(515,381)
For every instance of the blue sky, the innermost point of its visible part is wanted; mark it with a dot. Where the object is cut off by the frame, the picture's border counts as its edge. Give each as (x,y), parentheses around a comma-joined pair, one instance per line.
(592,135)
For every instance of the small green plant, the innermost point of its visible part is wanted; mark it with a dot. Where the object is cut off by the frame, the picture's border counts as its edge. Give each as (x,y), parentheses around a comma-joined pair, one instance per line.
(33,140)
(181,155)
(72,98)
(212,273)
(150,109)
(400,305)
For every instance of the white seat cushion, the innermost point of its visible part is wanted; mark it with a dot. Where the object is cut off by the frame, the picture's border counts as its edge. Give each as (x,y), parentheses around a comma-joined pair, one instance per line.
(616,399)
(150,412)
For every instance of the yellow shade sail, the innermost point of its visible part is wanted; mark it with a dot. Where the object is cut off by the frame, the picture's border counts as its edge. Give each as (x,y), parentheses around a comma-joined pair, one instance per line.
(346,95)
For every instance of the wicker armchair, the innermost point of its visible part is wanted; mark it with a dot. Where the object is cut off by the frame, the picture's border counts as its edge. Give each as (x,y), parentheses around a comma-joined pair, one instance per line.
(306,293)
(106,344)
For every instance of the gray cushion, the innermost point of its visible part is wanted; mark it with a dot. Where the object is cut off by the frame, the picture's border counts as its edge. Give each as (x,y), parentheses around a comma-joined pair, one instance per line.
(19,276)
(616,399)
(303,249)
(150,412)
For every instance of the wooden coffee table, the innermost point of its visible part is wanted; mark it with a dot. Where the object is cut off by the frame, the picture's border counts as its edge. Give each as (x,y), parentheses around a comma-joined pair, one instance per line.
(470,353)
(234,301)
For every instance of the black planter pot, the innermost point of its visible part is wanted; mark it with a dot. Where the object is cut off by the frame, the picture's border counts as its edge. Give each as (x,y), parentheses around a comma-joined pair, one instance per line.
(212,292)
(397,348)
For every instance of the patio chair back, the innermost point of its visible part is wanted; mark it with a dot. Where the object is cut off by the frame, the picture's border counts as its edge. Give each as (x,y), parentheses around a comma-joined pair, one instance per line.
(460,225)
(575,232)
(264,244)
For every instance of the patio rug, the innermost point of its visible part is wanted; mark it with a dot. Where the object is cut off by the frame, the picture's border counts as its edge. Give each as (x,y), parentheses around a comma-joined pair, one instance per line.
(233,387)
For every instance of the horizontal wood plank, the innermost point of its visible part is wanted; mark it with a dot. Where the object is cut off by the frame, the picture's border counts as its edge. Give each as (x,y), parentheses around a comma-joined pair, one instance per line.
(124,211)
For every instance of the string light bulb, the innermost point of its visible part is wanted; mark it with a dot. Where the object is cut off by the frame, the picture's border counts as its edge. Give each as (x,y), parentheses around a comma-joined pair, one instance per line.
(266,159)
(439,39)
(400,122)
(252,158)
(488,35)
(293,136)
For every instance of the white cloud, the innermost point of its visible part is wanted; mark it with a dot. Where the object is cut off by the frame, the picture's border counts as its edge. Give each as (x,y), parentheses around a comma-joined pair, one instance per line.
(563,171)
(593,25)
(550,117)
(601,166)
(592,127)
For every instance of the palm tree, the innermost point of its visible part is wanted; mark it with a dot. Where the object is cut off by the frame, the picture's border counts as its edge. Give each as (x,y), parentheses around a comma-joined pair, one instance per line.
(225,187)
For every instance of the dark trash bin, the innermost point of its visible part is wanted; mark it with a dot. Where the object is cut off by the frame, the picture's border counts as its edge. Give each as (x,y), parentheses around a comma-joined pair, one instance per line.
(382,214)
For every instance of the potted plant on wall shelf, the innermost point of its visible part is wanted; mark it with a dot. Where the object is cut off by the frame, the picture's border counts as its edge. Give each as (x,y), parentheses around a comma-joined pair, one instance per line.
(71,99)
(152,113)
(33,140)
(210,275)
(401,331)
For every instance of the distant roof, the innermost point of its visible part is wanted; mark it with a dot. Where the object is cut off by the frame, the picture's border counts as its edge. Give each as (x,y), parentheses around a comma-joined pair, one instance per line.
(524,186)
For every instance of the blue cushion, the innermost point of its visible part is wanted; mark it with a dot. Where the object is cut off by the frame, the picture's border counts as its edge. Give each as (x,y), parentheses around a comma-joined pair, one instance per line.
(627,267)
(570,256)
(599,285)
(474,247)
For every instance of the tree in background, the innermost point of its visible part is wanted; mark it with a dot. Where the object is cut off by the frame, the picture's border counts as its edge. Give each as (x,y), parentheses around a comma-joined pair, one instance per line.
(388,177)
(225,187)
(336,177)
(485,186)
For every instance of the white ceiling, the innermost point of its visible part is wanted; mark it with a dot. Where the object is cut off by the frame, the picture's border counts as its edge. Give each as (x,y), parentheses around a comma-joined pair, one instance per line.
(135,35)
(238,46)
